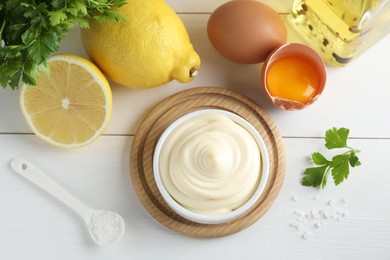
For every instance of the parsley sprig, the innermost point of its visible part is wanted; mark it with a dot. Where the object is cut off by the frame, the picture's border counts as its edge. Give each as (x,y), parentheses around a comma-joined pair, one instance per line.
(338,166)
(31,30)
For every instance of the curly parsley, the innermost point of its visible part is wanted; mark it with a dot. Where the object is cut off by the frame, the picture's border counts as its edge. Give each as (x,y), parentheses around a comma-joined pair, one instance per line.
(31,30)
(338,166)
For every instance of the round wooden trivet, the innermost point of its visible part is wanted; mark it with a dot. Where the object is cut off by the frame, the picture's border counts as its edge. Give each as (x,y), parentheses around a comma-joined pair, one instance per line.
(161,116)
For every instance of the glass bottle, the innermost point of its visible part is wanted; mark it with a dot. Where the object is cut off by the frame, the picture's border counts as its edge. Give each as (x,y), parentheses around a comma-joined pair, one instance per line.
(341,30)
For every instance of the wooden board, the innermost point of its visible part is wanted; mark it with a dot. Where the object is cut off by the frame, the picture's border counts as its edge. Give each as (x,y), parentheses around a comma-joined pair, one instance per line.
(162,116)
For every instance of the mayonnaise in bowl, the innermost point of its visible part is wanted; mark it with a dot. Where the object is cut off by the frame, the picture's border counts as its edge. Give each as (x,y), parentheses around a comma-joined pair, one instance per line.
(211,166)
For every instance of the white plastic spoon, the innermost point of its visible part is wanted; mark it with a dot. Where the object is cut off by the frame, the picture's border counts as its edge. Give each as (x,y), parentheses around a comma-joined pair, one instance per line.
(105,227)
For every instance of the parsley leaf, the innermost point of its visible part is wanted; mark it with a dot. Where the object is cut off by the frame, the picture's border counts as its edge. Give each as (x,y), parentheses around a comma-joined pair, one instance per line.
(31,30)
(319,159)
(336,138)
(354,160)
(338,166)
(314,176)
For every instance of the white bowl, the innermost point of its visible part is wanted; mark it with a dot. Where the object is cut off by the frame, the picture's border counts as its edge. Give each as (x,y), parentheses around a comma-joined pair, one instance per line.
(212,218)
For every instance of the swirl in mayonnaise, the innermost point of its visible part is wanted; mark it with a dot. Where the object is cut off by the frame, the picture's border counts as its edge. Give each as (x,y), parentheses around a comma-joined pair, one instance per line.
(210,164)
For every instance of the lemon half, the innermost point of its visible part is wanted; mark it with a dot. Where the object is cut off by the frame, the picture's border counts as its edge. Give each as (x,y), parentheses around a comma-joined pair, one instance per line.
(71,106)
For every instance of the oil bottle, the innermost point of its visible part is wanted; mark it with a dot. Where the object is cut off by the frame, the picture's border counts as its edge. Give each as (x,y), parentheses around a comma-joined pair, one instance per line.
(341,30)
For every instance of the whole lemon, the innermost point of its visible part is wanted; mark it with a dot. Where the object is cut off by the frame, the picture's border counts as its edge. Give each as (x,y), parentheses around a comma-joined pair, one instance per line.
(148,50)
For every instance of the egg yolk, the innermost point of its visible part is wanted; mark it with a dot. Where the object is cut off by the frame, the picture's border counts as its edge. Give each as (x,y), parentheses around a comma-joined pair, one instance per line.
(292,79)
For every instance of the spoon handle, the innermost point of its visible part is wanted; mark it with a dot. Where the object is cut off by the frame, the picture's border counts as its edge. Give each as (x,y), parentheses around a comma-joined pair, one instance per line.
(33,174)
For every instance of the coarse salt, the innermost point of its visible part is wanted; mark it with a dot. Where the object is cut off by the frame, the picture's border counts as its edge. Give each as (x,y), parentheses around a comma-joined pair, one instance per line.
(295,197)
(307,234)
(318,225)
(314,219)
(314,214)
(106,227)
(299,213)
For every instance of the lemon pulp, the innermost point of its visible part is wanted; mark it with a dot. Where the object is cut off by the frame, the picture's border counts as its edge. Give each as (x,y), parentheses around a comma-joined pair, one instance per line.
(70,107)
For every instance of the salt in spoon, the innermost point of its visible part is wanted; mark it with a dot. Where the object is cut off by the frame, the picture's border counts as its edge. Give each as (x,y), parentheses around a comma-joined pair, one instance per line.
(105,227)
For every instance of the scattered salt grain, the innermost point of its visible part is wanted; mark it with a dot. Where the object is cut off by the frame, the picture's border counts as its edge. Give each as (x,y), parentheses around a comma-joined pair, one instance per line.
(299,213)
(297,225)
(314,214)
(295,197)
(318,225)
(311,220)
(307,234)
(329,212)
(302,220)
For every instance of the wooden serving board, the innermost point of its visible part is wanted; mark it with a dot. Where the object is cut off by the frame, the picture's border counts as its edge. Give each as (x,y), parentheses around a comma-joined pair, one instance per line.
(161,116)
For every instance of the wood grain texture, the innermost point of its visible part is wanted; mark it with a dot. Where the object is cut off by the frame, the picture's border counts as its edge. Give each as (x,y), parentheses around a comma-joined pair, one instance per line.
(345,102)
(34,226)
(162,116)
(207,6)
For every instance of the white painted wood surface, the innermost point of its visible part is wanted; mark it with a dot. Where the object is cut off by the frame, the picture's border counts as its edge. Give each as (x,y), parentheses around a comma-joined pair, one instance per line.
(34,226)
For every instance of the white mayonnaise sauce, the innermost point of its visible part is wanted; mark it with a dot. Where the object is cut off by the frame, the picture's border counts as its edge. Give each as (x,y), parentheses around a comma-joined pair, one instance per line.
(209,164)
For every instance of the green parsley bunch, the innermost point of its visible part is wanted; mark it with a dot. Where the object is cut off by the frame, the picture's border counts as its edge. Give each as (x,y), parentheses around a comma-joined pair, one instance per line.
(338,166)
(31,30)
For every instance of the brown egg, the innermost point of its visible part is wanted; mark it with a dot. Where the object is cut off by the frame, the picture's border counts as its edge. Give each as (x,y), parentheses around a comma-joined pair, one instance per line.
(246,31)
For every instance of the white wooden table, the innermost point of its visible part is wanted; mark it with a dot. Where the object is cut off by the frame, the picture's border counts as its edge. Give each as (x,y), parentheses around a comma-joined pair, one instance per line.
(34,226)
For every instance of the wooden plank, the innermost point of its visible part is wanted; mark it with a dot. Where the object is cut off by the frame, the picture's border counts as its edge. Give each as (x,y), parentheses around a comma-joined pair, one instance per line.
(354,96)
(99,175)
(206,6)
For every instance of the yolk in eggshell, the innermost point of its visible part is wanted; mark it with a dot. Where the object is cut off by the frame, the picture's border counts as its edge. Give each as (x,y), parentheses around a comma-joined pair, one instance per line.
(292,79)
